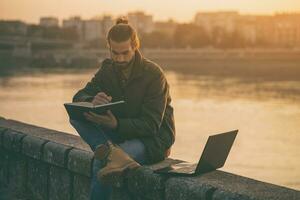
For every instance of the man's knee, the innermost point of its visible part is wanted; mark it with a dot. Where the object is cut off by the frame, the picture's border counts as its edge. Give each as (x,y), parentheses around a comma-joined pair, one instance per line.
(135,149)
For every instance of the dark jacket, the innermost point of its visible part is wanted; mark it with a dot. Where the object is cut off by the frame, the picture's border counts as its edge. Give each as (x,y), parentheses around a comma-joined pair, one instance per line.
(147,114)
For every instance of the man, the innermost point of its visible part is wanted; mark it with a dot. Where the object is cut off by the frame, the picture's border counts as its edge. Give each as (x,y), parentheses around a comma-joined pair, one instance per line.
(139,132)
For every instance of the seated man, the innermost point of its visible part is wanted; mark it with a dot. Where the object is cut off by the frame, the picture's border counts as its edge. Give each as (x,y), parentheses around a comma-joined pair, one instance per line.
(140,132)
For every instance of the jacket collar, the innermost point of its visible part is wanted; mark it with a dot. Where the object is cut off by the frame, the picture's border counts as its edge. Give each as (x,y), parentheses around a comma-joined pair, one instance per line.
(138,67)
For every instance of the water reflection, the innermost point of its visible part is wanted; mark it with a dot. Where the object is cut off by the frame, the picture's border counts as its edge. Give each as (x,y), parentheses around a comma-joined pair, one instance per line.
(267,113)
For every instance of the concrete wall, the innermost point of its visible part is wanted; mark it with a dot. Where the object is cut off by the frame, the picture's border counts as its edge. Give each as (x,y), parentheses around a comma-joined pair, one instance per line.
(38,163)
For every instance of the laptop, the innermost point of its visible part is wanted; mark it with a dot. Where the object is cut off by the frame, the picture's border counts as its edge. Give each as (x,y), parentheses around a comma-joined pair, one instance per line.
(213,157)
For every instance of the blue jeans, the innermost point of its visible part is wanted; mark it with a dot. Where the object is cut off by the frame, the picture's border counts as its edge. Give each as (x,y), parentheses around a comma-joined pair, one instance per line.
(94,135)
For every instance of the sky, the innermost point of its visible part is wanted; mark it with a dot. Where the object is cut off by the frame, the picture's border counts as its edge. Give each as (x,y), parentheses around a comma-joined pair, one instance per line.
(181,10)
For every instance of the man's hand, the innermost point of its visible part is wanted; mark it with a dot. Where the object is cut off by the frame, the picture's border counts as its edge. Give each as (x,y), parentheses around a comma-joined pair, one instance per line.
(108,120)
(101,98)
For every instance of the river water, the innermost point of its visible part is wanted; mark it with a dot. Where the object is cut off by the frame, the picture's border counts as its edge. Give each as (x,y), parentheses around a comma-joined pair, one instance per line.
(267,114)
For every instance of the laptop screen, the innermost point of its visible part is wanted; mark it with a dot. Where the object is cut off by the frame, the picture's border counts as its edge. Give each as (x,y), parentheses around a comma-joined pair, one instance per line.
(216,151)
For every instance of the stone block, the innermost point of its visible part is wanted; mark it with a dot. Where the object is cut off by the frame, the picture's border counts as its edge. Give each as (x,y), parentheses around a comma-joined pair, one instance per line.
(121,194)
(81,187)
(33,147)
(143,183)
(17,173)
(239,187)
(37,183)
(5,193)
(60,184)
(56,154)
(3,167)
(2,130)
(80,162)
(184,188)
(47,134)
(219,185)
(221,194)
(12,140)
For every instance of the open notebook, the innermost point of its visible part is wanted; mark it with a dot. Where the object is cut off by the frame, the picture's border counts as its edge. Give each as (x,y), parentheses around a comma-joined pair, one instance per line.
(76,109)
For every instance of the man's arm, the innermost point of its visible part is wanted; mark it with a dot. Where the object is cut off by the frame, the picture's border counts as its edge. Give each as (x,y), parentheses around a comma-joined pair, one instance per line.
(90,90)
(152,113)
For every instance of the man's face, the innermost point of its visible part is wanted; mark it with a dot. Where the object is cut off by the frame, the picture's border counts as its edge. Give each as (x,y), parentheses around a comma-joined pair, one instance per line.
(121,52)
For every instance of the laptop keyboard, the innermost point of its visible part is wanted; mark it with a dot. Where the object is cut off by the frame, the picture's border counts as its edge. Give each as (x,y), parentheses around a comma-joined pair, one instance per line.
(184,168)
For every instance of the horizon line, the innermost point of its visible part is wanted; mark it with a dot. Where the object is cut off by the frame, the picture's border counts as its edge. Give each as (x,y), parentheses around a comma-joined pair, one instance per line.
(271,13)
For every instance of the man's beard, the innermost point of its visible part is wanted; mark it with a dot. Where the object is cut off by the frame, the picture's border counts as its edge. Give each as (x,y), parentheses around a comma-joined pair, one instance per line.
(124,65)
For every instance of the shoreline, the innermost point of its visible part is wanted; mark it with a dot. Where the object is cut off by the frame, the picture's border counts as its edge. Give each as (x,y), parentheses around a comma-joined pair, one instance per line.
(257,64)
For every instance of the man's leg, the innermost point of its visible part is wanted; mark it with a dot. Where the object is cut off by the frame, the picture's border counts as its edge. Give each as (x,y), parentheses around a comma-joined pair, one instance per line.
(135,149)
(94,136)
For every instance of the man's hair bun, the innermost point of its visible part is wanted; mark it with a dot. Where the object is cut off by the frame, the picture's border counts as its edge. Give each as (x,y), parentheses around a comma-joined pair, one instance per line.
(122,20)
(123,31)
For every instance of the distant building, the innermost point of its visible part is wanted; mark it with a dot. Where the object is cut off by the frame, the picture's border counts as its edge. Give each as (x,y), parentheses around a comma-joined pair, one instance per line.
(77,23)
(246,27)
(167,27)
(265,28)
(13,28)
(280,30)
(142,22)
(93,29)
(107,23)
(287,29)
(49,22)
(210,20)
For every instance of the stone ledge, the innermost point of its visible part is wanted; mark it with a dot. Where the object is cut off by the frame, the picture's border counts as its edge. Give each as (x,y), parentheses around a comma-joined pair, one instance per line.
(12,140)
(38,179)
(146,184)
(33,147)
(81,187)
(226,186)
(4,165)
(2,130)
(60,183)
(44,133)
(17,172)
(80,162)
(187,190)
(56,154)
(60,155)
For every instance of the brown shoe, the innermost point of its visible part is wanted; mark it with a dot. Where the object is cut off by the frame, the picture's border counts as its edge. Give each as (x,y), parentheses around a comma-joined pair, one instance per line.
(102,151)
(118,163)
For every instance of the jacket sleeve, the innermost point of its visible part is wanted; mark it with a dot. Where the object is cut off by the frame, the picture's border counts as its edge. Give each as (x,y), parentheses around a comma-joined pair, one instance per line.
(152,112)
(93,87)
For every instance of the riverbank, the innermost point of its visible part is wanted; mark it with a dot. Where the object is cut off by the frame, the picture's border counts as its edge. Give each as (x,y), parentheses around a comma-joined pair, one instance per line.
(256,64)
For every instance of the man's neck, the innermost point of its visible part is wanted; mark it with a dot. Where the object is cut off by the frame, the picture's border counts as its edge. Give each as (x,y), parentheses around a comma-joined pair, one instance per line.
(127,70)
